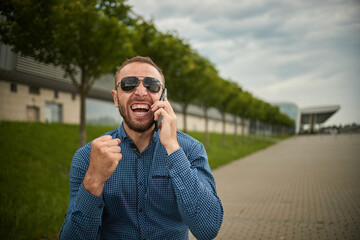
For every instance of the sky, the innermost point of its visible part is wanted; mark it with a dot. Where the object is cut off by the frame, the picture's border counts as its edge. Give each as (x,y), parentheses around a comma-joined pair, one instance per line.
(306,52)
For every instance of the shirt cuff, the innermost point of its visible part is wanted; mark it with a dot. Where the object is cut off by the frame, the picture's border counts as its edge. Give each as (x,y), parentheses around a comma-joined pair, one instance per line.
(89,204)
(178,162)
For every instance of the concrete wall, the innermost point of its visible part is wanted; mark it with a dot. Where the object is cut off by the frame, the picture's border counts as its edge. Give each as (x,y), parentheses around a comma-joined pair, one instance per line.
(197,123)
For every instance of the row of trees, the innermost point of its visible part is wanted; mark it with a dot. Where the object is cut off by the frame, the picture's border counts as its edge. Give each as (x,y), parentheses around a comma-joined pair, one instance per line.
(91,37)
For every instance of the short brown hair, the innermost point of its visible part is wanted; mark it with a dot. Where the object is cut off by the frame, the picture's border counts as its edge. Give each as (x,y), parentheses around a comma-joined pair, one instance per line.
(141,60)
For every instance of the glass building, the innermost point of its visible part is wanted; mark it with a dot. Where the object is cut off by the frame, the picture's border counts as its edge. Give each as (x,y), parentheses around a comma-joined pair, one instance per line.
(292,111)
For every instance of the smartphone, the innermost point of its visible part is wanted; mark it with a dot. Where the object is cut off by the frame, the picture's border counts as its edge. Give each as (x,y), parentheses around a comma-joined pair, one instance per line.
(157,123)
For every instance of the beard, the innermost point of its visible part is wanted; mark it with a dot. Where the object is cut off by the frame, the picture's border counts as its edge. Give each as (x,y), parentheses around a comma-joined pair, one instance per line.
(131,123)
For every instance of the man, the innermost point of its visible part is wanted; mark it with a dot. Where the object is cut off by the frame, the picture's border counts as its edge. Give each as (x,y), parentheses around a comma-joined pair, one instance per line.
(136,182)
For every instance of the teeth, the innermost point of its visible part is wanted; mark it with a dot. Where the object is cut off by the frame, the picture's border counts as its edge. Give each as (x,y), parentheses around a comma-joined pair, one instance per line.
(140,106)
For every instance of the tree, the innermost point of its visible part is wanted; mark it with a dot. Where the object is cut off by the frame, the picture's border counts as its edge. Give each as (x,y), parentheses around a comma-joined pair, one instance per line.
(206,96)
(226,90)
(86,38)
(245,112)
(235,108)
(178,61)
(197,85)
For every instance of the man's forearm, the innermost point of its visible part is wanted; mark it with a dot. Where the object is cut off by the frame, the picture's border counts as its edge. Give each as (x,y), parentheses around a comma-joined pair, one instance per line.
(83,219)
(197,200)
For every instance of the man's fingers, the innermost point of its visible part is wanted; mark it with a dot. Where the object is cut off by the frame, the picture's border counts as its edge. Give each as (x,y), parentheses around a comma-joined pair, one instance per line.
(108,139)
(105,138)
(162,104)
(115,149)
(159,112)
(113,142)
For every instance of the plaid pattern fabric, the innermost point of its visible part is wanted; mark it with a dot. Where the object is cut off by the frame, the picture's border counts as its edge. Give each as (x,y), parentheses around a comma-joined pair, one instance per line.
(151,195)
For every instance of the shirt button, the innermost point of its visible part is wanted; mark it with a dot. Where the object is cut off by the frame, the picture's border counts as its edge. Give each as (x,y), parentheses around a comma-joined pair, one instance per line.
(170,166)
(101,205)
(140,183)
(140,209)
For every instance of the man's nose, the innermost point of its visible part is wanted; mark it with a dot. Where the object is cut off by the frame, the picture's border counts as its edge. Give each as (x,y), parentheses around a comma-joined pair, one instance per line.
(141,89)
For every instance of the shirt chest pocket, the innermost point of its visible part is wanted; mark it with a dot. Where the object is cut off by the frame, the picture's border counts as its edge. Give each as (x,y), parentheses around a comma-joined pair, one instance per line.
(161,193)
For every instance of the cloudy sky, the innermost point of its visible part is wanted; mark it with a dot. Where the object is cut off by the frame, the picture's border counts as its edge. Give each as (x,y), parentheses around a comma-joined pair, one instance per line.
(302,51)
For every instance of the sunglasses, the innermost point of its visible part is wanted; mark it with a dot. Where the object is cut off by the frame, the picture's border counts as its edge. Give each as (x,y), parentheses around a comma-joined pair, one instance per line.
(128,84)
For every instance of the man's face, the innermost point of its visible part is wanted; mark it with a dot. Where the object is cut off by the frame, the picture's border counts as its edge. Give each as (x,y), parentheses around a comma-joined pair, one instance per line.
(135,106)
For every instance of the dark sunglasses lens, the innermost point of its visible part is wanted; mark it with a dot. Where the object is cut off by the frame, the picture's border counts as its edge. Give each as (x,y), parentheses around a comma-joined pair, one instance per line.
(152,84)
(129,83)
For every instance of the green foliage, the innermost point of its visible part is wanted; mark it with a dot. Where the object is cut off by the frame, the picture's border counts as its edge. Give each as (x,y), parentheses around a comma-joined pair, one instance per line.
(34,177)
(208,76)
(93,39)
(88,35)
(27,36)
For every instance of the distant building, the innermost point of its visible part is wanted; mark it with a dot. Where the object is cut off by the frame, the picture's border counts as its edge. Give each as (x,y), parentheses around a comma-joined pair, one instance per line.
(26,97)
(317,115)
(309,116)
(292,111)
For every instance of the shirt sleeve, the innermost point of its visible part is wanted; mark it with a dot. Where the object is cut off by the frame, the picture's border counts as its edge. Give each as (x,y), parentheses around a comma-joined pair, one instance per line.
(195,190)
(83,218)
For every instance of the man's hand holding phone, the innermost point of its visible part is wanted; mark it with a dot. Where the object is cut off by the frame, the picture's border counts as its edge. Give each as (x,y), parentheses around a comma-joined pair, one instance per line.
(168,129)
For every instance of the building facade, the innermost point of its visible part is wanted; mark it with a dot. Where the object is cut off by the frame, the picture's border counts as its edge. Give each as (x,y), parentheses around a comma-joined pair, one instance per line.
(21,102)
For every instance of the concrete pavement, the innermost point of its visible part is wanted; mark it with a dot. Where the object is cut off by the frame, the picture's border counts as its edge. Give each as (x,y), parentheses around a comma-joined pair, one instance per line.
(306,187)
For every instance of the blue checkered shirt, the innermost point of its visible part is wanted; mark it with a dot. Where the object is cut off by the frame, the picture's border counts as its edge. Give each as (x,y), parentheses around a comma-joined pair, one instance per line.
(151,195)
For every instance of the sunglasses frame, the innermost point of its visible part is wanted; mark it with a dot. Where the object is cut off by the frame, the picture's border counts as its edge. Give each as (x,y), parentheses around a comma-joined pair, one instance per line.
(144,81)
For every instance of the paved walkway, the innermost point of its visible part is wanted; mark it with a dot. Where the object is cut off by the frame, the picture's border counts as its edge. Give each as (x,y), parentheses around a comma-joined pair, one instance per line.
(306,187)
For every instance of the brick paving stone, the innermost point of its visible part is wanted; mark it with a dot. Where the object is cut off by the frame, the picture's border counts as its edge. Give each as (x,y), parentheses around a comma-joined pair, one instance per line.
(303,188)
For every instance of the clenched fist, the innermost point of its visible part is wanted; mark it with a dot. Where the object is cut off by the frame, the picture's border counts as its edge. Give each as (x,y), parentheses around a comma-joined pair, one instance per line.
(105,155)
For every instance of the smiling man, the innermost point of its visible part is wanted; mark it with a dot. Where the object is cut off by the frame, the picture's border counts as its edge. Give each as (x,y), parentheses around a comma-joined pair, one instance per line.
(137,181)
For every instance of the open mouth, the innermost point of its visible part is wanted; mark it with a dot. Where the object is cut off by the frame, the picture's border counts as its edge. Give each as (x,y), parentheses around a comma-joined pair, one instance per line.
(140,109)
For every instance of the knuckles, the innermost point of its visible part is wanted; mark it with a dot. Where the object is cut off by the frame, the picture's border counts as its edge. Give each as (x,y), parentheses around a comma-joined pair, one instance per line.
(102,149)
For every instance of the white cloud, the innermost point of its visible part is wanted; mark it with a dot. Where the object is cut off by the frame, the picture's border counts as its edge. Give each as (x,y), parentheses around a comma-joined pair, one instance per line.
(303,51)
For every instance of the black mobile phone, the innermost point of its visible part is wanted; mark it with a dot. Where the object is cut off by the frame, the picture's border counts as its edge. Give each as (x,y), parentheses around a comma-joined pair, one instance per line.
(157,123)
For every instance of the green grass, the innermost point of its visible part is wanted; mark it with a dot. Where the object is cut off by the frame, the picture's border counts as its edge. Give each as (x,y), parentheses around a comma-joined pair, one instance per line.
(220,155)
(35,160)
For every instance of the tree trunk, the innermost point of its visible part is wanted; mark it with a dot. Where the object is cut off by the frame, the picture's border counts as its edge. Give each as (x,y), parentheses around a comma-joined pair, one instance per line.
(185,117)
(242,130)
(235,131)
(251,128)
(207,141)
(224,129)
(82,127)
(83,94)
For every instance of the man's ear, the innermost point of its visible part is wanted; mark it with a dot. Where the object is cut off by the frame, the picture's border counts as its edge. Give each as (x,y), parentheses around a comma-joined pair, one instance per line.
(115,97)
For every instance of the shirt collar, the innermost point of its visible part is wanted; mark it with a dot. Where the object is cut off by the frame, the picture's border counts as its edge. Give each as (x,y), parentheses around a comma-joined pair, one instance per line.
(124,137)
(122,134)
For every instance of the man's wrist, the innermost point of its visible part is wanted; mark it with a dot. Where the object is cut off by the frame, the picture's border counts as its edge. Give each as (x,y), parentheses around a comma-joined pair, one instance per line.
(170,148)
(92,186)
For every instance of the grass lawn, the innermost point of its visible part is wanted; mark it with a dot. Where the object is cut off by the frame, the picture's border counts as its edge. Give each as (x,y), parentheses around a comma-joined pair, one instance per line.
(220,155)
(35,160)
